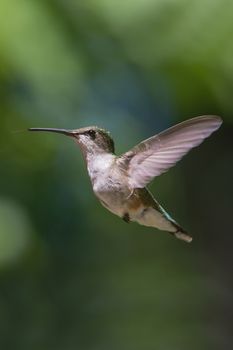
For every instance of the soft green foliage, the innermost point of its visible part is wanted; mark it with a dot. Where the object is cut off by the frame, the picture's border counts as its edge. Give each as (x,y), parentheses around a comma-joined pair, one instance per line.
(72,275)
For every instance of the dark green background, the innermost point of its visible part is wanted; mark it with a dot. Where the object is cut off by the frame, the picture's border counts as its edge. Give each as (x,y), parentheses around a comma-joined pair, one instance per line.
(72,275)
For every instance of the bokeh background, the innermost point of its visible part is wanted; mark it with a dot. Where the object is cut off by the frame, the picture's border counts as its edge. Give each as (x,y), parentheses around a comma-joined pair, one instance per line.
(72,275)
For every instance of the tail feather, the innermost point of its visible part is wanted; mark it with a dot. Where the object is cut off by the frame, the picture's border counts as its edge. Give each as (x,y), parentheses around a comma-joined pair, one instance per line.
(180,233)
(183,236)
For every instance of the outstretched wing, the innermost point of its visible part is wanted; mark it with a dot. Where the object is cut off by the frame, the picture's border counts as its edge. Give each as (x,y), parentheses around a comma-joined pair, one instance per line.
(154,156)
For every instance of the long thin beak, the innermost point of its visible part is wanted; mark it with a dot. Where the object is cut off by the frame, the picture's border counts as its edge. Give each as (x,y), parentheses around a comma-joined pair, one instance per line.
(58,131)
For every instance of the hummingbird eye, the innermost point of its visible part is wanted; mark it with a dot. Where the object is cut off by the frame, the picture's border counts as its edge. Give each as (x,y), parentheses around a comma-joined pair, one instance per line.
(92,134)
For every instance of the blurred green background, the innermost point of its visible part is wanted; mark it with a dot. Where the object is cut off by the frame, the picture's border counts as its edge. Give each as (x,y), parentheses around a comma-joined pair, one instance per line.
(72,275)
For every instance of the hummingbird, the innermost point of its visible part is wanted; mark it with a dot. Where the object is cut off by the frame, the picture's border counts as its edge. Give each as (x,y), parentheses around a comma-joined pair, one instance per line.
(119,182)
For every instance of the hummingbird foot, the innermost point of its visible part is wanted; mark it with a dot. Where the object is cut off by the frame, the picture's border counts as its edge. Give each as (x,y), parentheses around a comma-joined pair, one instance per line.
(126,217)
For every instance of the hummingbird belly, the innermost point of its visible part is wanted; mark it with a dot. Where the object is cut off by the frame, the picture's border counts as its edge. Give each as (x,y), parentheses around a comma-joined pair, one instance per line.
(144,209)
(153,218)
(110,187)
(114,200)
(139,207)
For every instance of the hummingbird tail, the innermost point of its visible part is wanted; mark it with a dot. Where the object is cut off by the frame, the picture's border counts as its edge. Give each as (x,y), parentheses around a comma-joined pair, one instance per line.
(179,232)
(183,236)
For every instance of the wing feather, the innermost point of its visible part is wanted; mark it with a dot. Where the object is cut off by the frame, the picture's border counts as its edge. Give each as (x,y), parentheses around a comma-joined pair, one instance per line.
(154,156)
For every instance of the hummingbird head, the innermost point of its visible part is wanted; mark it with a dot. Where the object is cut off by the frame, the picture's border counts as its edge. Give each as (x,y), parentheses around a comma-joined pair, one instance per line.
(91,139)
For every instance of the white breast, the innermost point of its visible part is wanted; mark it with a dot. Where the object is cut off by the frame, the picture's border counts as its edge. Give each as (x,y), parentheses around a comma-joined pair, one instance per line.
(99,167)
(107,182)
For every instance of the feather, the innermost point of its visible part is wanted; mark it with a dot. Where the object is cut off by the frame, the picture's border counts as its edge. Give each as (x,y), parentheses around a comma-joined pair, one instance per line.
(154,156)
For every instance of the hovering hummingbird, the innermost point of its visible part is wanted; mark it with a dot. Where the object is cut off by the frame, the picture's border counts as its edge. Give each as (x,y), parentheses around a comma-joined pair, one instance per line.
(119,182)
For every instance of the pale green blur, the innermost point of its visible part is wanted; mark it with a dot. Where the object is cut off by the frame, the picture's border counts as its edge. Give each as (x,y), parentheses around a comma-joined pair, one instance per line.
(72,275)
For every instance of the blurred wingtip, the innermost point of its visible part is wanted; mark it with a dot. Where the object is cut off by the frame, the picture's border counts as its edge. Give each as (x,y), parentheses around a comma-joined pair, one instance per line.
(213,117)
